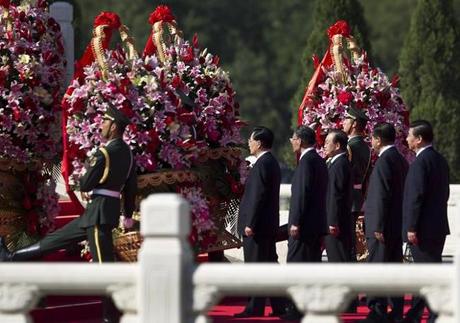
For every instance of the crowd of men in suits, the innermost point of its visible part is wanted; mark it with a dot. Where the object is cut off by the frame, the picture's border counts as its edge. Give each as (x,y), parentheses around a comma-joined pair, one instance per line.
(400,202)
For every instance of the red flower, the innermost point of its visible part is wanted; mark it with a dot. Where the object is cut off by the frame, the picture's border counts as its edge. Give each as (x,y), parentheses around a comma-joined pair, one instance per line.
(109,19)
(319,137)
(345,97)
(216,60)
(361,105)
(169,120)
(339,28)
(195,41)
(5,3)
(16,114)
(189,56)
(161,13)
(177,82)
(154,141)
(383,98)
(127,109)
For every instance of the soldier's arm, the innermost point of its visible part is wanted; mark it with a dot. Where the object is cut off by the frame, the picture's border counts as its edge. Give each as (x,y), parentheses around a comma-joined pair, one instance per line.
(94,172)
(129,193)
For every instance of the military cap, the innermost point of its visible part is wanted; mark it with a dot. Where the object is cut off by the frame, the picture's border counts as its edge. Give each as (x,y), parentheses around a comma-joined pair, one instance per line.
(356,114)
(117,116)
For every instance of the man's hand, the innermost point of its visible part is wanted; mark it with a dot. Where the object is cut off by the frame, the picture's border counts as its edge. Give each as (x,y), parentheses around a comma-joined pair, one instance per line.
(334,230)
(412,238)
(379,236)
(294,231)
(85,196)
(248,232)
(127,222)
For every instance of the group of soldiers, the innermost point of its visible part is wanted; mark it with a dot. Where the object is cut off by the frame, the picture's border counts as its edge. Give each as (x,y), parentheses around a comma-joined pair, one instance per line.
(399,203)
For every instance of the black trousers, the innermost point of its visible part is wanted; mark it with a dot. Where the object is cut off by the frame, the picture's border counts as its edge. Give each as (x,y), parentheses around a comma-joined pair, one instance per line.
(304,250)
(427,251)
(388,252)
(99,238)
(259,249)
(338,248)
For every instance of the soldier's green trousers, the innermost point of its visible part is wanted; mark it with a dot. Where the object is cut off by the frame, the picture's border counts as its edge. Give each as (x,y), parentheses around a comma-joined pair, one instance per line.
(99,238)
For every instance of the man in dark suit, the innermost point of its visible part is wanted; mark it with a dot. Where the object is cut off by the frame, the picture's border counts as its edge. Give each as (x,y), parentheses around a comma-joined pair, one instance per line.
(258,219)
(359,155)
(426,192)
(383,213)
(339,198)
(111,174)
(307,212)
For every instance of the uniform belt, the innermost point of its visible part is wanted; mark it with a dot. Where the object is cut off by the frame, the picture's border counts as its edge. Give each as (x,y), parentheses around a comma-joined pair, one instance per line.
(104,192)
(358,186)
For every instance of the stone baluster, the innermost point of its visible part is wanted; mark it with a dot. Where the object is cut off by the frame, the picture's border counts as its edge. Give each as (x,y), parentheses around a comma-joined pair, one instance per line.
(16,300)
(321,303)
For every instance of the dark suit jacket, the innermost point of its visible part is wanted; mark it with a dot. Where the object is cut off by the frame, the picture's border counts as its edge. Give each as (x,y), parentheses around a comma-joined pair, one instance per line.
(359,158)
(339,195)
(111,174)
(259,207)
(383,208)
(426,192)
(308,196)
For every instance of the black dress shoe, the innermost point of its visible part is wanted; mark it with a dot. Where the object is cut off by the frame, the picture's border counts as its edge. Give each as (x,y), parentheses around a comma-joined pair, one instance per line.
(291,316)
(246,314)
(277,313)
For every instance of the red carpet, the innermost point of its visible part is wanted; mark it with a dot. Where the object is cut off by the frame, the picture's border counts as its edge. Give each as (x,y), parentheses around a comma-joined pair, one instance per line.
(223,313)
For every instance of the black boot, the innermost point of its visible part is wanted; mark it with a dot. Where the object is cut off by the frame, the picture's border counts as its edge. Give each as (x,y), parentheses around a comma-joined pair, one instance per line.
(5,254)
(27,253)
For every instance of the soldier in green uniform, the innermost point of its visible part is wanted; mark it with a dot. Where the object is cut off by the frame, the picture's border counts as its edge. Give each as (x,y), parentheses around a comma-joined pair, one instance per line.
(110,175)
(359,155)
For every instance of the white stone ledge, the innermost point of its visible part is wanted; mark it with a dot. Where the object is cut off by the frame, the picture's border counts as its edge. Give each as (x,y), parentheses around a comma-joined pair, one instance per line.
(71,278)
(272,279)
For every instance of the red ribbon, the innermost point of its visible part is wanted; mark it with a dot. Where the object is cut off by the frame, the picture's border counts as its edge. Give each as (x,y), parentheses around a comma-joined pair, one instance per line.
(161,13)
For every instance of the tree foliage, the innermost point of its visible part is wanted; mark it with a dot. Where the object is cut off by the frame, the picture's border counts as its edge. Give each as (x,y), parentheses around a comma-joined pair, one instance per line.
(430,78)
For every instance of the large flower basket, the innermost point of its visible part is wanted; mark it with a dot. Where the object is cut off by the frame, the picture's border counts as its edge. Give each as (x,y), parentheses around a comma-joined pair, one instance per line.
(184,130)
(222,210)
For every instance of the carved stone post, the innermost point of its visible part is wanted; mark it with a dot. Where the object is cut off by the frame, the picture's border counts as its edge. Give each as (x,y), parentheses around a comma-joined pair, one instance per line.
(62,12)
(441,302)
(16,300)
(322,304)
(204,298)
(125,299)
(164,259)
